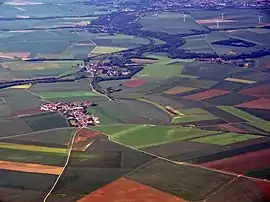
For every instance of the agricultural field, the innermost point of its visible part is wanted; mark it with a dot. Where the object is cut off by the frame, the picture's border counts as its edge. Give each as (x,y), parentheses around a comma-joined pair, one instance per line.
(45,121)
(179,179)
(253,120)
(199,45)
(169,22)
(135,136)
(193,115)
(123,186)
(239,163)
(24,184)
(103,159)
(225,138)
(163,68)
(125,111)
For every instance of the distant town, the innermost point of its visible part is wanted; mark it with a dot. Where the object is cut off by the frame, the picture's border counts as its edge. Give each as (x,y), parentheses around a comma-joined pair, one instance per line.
(75,112)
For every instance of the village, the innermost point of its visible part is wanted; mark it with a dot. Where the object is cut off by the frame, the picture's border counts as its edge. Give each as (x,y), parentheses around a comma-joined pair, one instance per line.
(105,70)
(75,112)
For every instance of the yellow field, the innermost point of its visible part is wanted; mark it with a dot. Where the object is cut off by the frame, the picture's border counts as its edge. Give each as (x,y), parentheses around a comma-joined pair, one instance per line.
(30,167)
(240,80)
(5,145)
(107,49)
(178,90)
(25,86)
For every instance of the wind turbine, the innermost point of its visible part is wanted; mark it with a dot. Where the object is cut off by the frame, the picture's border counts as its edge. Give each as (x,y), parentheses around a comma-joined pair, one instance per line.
(222,16)
(217,23)
(133,39)
(259,18)
(185,15)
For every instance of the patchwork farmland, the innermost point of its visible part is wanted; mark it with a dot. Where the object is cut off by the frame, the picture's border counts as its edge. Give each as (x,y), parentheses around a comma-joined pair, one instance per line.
(150,101)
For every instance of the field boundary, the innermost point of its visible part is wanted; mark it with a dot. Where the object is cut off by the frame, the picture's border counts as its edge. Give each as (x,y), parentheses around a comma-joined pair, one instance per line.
(67,161)
(186,164)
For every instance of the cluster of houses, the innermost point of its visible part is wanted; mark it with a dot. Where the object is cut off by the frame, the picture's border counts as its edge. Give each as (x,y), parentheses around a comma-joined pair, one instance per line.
(75,112)
(214,60)
(113,71)
(108,70)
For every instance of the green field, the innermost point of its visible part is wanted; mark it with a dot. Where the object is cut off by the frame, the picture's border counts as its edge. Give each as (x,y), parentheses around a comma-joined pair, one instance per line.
(126,112)
(24,65)
(59,136)
(169,22)
(193,114)
(33,156)
(225,139)
(4,145)
(45,121)
(66,94)
(103,115)
(253,120)
(163,68)
(41,72)
(141,136)
(106,49)
(113,128)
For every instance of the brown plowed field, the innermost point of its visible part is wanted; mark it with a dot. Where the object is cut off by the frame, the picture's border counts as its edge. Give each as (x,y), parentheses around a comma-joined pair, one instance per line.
(231,128)
(85,134)
(143,61)
(206,95)
(239,190)
(12,55)
(259,91)
(264,186)
(133,83)
(243,163)
(261,103)
(28,112)
(129,191)
(30,168)
(178,90)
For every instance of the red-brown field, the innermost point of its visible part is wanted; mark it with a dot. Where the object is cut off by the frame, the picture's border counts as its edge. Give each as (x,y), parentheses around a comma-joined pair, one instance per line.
(13,55)
(213,20)
(133,83)
(28,112)
(261,103)
(264,186)
(85,134)
(30,167)
(129,191)
(229,127)
(259,91)
(206,95)
(243,163)
(143,61)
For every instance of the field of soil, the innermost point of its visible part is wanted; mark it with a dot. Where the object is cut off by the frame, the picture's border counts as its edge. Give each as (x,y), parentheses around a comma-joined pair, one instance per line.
(240,163)
(206,95)
(124,189)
